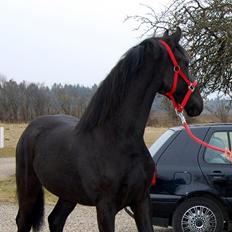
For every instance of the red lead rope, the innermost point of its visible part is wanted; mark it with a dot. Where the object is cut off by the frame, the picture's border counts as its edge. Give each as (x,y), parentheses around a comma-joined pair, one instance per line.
(191,135)
(226,151)
(189,132)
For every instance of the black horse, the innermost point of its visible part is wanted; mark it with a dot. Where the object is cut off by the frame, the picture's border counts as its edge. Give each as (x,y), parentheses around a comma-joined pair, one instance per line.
(101,160)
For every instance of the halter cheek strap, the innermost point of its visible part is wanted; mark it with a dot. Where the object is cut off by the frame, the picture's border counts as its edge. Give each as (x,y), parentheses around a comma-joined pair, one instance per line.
(178,73)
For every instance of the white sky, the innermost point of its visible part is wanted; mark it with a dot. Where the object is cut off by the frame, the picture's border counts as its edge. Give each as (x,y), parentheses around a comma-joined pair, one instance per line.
(66,41)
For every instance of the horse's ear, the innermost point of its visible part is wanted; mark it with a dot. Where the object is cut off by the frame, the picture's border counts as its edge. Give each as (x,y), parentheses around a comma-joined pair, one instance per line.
(176,36)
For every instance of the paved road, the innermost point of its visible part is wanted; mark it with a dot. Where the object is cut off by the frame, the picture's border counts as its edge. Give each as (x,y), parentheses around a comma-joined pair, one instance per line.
(82,219)
(7,167)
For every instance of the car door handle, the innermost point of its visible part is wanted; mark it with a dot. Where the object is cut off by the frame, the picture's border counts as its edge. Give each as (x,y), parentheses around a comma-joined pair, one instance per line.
(217,175)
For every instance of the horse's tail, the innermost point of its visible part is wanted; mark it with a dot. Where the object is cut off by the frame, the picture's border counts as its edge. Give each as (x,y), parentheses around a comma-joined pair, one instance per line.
(29,189)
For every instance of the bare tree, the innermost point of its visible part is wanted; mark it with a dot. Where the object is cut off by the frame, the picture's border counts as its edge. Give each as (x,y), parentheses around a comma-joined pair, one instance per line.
(207,35)
(220,108)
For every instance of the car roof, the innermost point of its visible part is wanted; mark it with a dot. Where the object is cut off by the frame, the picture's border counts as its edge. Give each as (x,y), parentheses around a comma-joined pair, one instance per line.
(204,125)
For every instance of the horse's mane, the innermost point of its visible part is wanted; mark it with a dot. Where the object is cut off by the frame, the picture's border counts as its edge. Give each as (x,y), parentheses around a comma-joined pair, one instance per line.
(113,89)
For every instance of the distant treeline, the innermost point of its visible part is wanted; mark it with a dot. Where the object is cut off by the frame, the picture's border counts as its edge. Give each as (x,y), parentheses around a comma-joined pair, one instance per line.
(23,102)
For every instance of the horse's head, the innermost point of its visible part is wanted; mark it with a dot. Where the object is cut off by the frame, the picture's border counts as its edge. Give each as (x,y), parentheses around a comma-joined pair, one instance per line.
(177,83)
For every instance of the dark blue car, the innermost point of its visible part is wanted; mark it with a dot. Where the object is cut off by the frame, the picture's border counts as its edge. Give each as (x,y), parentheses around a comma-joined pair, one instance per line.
(194,184)
(193,191)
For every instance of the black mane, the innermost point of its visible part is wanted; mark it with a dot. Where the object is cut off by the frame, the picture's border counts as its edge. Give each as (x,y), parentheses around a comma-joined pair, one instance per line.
(113,89)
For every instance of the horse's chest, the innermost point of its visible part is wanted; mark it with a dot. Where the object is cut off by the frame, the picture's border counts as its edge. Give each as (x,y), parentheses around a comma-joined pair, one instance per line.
(137,182)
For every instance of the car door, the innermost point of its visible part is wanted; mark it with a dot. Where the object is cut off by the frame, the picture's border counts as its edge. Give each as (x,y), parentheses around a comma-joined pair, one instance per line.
(214,165)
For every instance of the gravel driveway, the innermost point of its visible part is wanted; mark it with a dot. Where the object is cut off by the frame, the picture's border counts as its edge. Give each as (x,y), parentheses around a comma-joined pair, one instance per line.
(81,219)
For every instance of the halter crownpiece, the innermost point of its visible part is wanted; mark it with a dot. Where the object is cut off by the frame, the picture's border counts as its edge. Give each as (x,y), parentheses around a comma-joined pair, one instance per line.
(178,73)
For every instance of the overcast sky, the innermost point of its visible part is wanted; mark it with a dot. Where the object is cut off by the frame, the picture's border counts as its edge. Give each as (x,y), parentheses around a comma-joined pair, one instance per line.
(66,41)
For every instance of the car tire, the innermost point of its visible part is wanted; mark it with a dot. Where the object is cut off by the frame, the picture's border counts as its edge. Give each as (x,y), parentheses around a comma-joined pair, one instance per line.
(198,214)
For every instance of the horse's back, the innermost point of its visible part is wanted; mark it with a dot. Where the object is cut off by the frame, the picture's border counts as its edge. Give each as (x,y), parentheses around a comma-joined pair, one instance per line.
(42,126)
(51,121)
(39,129)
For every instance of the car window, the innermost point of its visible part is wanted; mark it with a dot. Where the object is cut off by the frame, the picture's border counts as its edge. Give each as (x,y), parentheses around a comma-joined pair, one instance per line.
(160,141)
(218,139)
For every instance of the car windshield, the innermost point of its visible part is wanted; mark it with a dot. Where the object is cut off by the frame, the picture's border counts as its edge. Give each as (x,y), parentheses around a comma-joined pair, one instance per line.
(160,141)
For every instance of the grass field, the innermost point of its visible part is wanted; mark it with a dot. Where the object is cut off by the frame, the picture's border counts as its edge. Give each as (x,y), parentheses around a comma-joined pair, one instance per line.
(12,134)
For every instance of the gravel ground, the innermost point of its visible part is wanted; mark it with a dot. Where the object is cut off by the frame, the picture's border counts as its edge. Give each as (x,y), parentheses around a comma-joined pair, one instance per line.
(81,219)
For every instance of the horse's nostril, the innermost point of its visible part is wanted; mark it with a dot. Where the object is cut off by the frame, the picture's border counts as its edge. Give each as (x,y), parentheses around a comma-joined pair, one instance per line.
(193,112)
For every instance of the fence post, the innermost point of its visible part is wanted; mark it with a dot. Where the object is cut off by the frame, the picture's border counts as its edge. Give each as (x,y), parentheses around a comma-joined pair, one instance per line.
(1,137)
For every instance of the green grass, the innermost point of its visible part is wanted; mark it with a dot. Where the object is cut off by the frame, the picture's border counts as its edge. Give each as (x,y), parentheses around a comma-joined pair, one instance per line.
(8,190)
(12,132)
(7,152)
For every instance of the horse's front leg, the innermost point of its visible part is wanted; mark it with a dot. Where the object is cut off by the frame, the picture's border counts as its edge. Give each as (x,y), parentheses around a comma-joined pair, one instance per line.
(106,216)
(142,215)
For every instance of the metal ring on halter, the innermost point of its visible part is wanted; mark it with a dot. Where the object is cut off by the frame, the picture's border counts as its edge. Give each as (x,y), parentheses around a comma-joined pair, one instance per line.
(176,68)
(191,87)
(181,116)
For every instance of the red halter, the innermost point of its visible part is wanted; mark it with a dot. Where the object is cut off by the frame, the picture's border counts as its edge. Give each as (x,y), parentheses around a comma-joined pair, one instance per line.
(179,107)
(178,73)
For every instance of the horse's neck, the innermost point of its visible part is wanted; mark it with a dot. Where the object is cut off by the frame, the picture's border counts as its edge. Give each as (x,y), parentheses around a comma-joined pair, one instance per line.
(124,113)
(134,113)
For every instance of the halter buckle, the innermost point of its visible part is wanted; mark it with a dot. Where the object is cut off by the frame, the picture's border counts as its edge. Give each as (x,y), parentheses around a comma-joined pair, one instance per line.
(181,116)
(191,87)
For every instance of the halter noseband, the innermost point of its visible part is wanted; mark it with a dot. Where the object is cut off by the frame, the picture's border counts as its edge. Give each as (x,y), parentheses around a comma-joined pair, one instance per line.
(178,73)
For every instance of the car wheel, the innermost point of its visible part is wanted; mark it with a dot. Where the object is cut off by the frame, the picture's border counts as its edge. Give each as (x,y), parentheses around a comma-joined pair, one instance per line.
(198,214)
